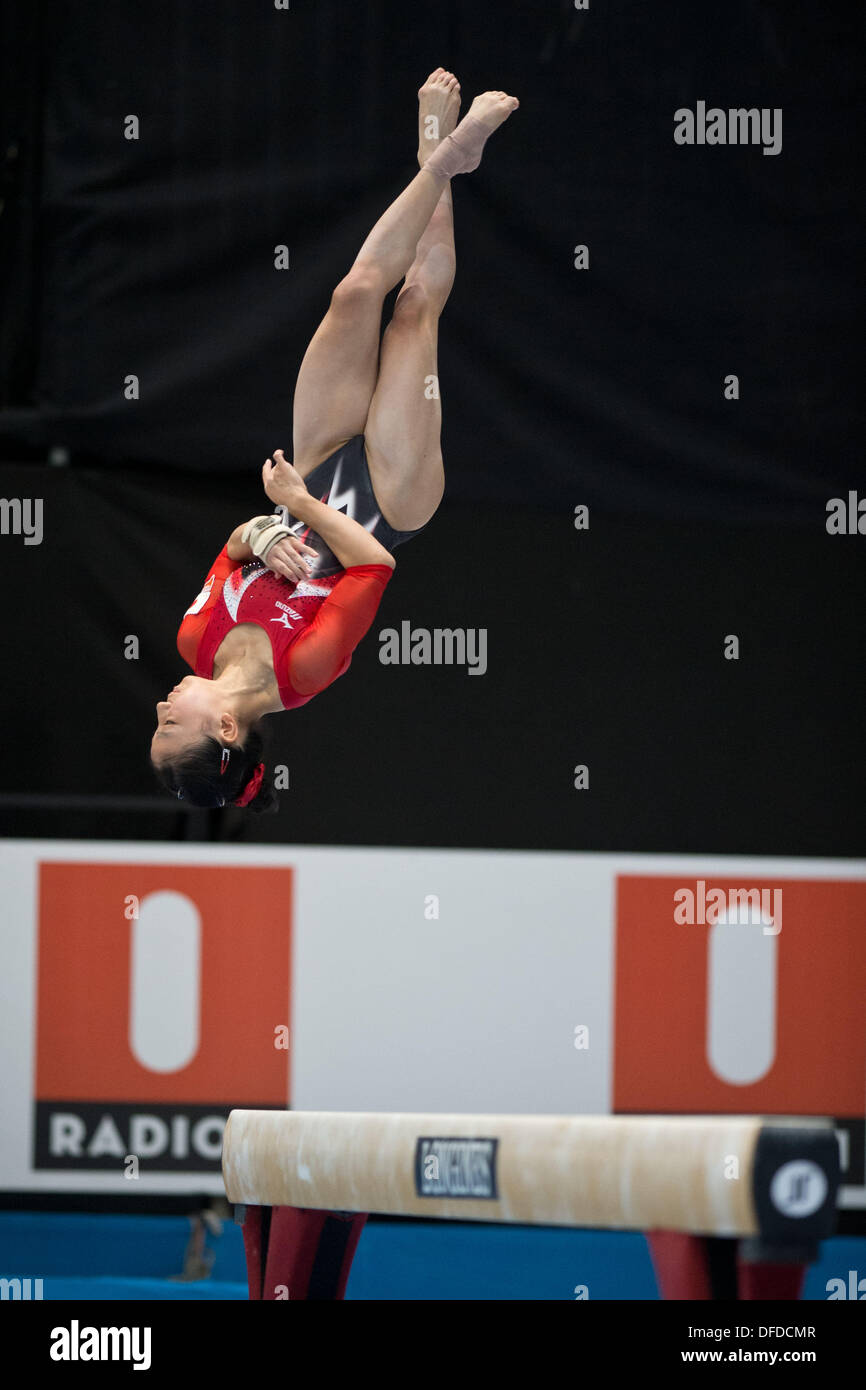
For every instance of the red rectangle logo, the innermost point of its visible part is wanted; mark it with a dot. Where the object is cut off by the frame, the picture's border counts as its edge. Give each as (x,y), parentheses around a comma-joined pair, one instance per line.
(736,996)
(163,1000)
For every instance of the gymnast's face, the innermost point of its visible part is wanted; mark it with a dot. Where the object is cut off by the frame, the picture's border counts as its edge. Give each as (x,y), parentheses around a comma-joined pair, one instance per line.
(190,710)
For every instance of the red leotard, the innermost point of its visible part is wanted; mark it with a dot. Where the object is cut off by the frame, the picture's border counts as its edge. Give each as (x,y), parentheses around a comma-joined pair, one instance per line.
(314,626)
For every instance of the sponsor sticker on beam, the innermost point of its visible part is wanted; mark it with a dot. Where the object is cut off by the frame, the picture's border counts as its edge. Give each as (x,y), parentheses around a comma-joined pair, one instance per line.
(456,1167)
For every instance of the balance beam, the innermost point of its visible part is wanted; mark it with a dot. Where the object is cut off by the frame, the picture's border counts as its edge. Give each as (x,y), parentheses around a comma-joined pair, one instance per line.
(771,1181)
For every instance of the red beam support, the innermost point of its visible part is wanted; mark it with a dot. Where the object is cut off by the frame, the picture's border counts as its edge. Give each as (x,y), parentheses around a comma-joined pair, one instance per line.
(299,1254)
(701,1267)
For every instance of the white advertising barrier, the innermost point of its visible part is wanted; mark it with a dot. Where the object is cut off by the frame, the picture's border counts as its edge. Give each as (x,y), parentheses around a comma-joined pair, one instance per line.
(148,989)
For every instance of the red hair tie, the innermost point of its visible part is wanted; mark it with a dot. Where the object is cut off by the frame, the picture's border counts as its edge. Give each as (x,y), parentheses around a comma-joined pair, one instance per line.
(251,790)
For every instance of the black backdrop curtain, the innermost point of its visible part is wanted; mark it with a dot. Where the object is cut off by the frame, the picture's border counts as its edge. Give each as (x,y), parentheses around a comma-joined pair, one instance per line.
(261,127)
(604,648)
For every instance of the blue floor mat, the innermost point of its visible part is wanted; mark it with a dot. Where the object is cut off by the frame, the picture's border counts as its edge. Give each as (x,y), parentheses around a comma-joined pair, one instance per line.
(87,1257)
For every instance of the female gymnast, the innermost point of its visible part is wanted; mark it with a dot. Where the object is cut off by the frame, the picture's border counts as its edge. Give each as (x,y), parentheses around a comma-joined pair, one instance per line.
(291,594)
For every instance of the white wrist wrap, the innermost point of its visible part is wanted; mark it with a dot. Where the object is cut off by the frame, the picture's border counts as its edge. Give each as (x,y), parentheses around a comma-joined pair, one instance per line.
(262,533)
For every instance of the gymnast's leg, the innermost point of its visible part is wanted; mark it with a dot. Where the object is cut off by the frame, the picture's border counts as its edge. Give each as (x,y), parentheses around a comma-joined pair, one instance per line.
(402,433)
(338,376)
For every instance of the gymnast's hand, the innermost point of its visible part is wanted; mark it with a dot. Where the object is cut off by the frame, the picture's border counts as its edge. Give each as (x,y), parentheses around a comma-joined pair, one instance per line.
(283,483)
(286,558)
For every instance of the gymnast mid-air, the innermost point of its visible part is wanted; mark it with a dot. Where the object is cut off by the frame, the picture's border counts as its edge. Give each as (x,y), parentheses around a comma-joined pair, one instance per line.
(292,593)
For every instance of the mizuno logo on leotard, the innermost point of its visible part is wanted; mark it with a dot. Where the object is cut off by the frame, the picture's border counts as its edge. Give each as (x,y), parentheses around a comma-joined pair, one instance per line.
(284,619)
(286,609)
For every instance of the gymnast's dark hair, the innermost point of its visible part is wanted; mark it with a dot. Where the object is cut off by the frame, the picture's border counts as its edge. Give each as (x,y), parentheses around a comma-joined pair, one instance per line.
(211,775)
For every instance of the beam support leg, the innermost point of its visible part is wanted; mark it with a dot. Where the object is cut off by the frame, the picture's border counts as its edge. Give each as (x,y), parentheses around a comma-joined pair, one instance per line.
(295,1253)
(716,1268)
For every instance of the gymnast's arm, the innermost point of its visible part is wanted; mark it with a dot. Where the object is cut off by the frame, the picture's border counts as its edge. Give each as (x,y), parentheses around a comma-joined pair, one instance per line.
(285,558)
(351,544)
(236,547)
(324,651)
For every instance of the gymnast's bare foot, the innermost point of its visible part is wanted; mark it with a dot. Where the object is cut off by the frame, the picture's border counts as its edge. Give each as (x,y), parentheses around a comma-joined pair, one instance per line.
(460,152)
(492,108)
(439,98)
